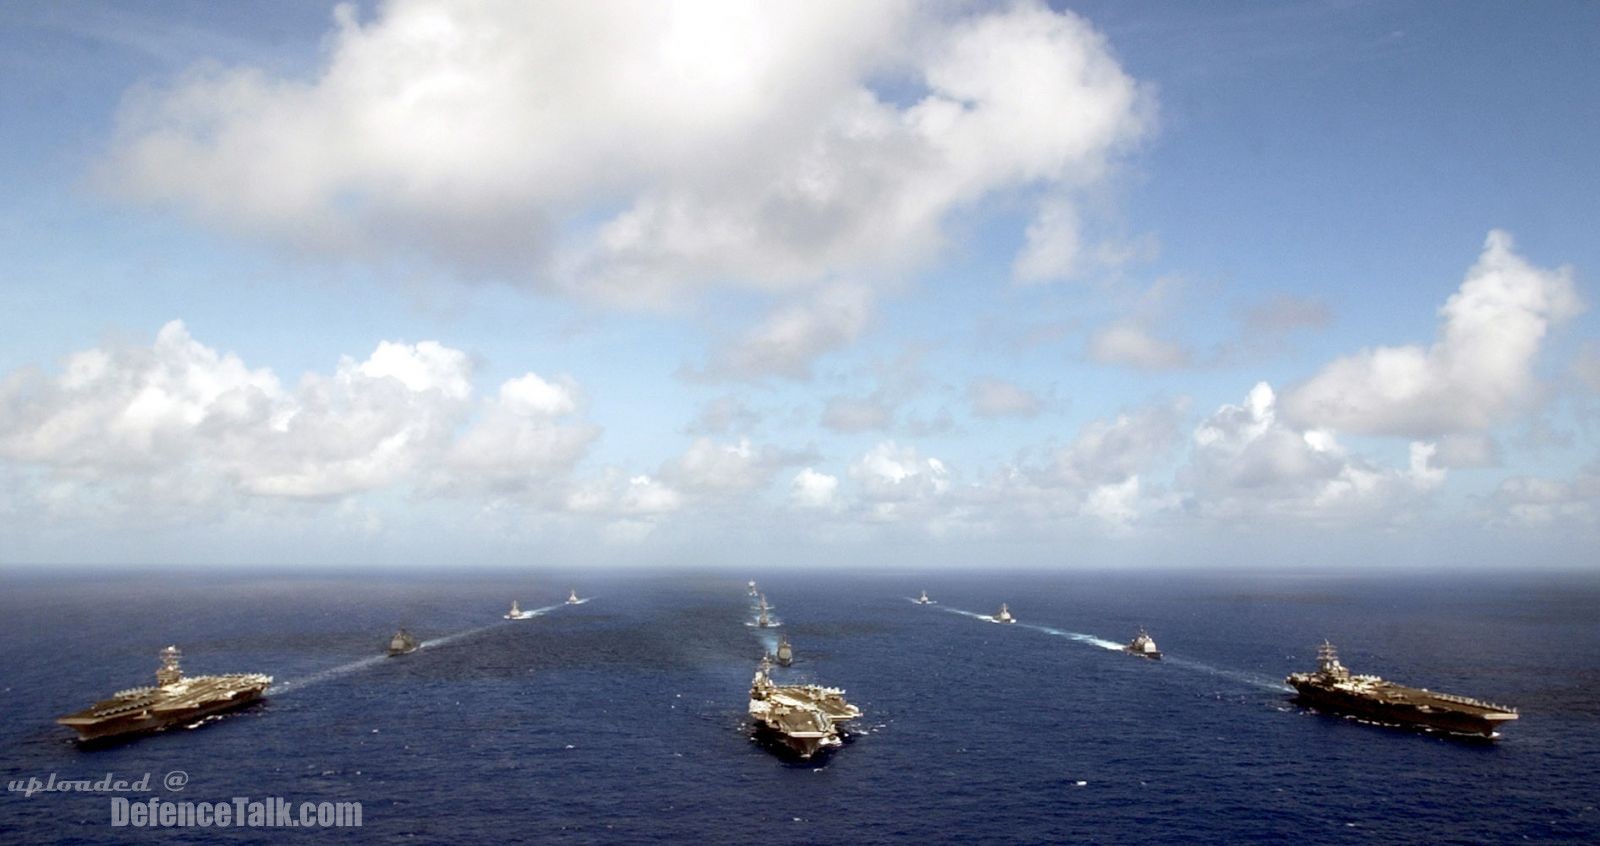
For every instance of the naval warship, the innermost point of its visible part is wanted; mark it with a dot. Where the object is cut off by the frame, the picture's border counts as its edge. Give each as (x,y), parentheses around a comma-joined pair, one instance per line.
(1144,646)
(785,654)
(924,600)
(1003,615)
(804,718)
(402,643)
(174,700)
(1335,689)
(572,598)
(764,621)
(515,613)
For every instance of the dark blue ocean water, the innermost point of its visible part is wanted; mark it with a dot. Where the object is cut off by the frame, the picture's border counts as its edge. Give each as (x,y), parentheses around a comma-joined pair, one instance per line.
(623,720)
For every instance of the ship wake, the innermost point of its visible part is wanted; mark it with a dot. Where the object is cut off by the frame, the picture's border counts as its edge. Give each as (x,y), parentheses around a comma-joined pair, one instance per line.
(374,660)
(1251,679)
(1077,636)
(526,615)
(330,673)
(1080,637)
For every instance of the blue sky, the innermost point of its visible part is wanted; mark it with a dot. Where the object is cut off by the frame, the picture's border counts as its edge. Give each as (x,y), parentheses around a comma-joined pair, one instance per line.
(981,285)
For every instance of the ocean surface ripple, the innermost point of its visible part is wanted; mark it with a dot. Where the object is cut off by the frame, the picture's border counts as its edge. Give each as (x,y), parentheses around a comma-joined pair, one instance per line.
(624,721)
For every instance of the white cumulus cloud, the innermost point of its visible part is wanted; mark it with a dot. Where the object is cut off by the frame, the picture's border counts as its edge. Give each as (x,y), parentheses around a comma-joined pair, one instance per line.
(1479,372)
(178,417)
(1245,461)
(813,489)
(633,152)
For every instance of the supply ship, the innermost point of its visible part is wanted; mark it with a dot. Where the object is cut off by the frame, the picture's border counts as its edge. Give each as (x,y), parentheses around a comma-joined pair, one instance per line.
(1334,689)
(804,718)
(175,700)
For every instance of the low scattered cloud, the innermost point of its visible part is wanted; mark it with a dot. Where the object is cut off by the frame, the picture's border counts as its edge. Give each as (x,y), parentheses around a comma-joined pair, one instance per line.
(894,473)
(720,469)
(1478,373)
(857,414)
(1131,345)
(181,412)
(812,489)
(722,416)
(995,398)
(787,342)
(1544,503)
(1281,314)
(1246,462)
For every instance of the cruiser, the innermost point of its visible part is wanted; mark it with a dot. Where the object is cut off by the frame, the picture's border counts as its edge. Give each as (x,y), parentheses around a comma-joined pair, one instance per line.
(174,700)
(1144,646)
(1003,615)
(805,718)
(764,621)
(402,643)
(924,600)
(1334,689)
(763,604)
(572,598)
(515,613)
(785,652)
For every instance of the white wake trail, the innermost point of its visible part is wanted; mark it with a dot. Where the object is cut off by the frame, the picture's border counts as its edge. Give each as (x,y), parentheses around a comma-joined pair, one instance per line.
(1077,636)
(1252,679)
(374,660)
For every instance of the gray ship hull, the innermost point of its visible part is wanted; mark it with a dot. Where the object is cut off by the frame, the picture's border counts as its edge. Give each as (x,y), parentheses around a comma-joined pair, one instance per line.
(147,721)
(1407,708)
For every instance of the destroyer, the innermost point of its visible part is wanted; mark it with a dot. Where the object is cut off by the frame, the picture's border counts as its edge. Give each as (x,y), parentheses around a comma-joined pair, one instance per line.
(1003,615)
(752,588)
(1334,689)
(764,621)
(1144,646)
(515,613)
(785,651)
(402,643)
(924,600)
(572,598)
(805,718)
(174,700)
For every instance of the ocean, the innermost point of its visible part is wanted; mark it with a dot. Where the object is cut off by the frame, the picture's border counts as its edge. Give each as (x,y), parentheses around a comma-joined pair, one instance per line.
(622,720)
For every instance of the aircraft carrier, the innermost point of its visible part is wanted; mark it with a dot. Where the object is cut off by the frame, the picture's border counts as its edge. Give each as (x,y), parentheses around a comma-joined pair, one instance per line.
(804,718)
(175,700)
(1334,689)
